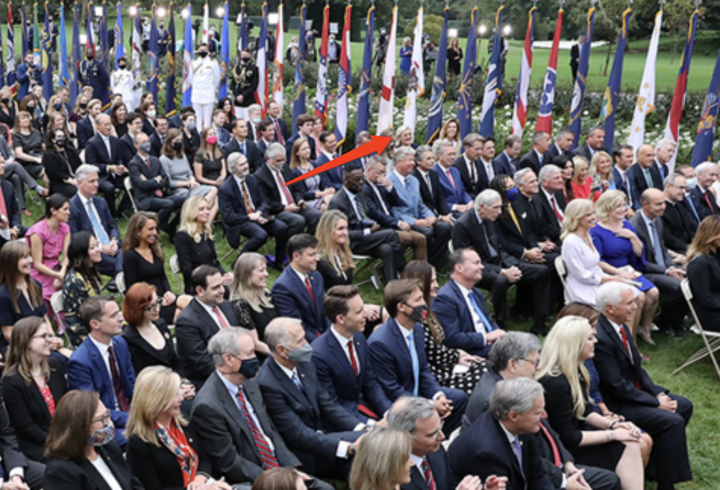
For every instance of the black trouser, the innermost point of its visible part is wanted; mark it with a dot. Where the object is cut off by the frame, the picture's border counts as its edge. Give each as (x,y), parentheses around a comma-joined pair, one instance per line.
(672,301)
(258,235)
(437,242)
(164,207)
(384,245)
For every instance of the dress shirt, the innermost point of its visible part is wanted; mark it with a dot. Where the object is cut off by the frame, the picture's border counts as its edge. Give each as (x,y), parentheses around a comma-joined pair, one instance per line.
(239,183)
(106,140)
(650,225)
(353,201)
(471,168)
(541,157)
(300,274)
(379,196)
(280,189)
(330,156)
(85,202)
(251,410)
(480,327)
(344,342)
(551,198)
(402,181)
(418,461)
(406,333)
(489,170)
(511,437)
(426,178)
(105,354)
(214,316)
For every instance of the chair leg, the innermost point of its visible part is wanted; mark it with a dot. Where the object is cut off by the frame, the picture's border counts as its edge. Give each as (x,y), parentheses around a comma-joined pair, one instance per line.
(709,349)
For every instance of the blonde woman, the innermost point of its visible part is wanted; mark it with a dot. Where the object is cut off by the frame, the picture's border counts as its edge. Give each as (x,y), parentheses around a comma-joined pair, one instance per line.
(404,137)
(160,447)
(454,56)
(622,254)
(703,271)
(613,445)
(382,461)
(313,193)
(406,56)
(581,182)
(195,242)
(251,298)
(601,170)
(451,133)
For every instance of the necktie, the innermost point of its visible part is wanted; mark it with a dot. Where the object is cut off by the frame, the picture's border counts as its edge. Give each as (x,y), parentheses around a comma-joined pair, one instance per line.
(489,171)
(427,473)
(648,177)
(107,145)
(483,319)
(491,249)
(707,200)
(266,454)
(556,210)
(628,190)
(96,224)
(278,133)
(449,176)
(242,148)
(514,218)
(473,178)
(415,362)
(659,256)
(360,208)
(246,198)
(429,182)
(688,200)
(221,318)
(555,451)
(258,137)
(120,397)
(297,382)
(284,188)
(407,186)
(517,449)
(381,200)
(513,165)
(625,342)
(353,361)
(310,290)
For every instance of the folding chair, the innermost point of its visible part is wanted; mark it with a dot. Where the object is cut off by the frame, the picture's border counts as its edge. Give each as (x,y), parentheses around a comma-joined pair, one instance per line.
(710,345)
(175,268)
(56,303)
(368,262)
(120,282)
(128,188)
(561,270)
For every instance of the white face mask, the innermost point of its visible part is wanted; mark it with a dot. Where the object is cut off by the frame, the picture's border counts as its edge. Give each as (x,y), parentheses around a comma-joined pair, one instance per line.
(151,114)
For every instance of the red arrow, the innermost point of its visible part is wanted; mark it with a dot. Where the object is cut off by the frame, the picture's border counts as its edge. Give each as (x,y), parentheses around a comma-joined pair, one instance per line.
(376,145)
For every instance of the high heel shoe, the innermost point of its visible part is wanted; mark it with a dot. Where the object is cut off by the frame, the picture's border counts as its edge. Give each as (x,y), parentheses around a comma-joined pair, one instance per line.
(646,336)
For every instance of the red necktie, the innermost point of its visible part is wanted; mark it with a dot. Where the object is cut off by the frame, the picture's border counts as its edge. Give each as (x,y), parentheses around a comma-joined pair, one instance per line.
(266,454)
(122,400)
(707,199)
(284,188)
(452,182)
(555,209)
(221,318)
(278,133)
(556,453)
(353,361)
(428,475)
(310,290)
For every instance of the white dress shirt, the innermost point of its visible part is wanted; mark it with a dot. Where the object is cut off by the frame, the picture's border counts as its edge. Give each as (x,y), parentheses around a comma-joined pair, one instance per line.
(480,327)
(213,315)
(344,342)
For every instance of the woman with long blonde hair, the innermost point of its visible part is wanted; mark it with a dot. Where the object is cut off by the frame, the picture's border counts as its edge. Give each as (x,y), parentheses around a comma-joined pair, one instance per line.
(315,196)
(601,171)
(336,262)
(703,271)
(251,298)
(382,461)
(613,445)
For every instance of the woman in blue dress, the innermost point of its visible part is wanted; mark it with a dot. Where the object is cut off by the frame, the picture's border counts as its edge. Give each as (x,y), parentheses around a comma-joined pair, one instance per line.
(406,56)
(623,253)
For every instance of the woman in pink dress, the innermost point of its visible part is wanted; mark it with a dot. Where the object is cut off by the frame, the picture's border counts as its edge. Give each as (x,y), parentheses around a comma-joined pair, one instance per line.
(48,239)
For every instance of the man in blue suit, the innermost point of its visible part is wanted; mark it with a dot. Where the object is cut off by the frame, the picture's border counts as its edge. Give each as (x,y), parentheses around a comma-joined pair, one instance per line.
(103,150)
(86,126)
(328,151)
(460,307)
(29,75)
(298,292)
(507,161)
(304,126)
(102,362)
(240,143)
(341,358)
(90,213)
(267,135)
(397,353)
(414,211)
(450,180)
(274,114)
(563,142)
(245,211)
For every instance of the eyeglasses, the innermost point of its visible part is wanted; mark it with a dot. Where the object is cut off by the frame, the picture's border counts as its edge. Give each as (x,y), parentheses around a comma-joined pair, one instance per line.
(104,418)
(682,187)
(46,336)
(152,306)
(537,361)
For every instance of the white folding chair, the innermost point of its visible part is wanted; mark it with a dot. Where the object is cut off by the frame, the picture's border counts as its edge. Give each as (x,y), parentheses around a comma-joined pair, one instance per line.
(711,346)
(128,188)
(561,270)
(56,302)
(120,282)
(367,262)
(175,268)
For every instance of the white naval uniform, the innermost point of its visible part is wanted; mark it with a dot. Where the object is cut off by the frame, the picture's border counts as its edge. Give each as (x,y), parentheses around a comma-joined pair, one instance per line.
(205,80)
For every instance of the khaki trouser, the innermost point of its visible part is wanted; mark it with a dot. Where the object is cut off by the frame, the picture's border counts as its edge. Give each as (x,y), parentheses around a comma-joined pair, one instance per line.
(416,241)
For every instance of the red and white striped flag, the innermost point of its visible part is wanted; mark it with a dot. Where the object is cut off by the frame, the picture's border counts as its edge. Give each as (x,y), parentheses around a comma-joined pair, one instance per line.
(385,113)
(520,110)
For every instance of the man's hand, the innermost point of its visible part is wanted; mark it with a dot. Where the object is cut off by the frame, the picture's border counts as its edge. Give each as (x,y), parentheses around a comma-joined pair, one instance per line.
(422,222)
(513,274)
(404,226)
(470,483)
(494,335)
(676,272)
(374,228)
(15,484)
(431,220)
(293,208)
(534,255)
(461,208)
(255,216)
(575,480)
(443,406)
(447,219)
(667,403)
(496,482)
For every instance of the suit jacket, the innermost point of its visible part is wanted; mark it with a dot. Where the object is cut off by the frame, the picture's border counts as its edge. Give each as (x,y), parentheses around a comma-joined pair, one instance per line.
(453,194)
(28,411)
(443,474)
(127,148)
(503,164)
(391,361)
(641,183)
(483,449)
(450,308)
(654,264)
(312,424)
(144,189)
(283,128)
(341,202)
(678,230)
(96,153)
(701,203)
(270,190)
(574,55)
(513,240)
(553,152)
(387,198)
(143,354)
(156,144)
(232,206)
(87,370)
(412,207)
(480,397)
(85,130)
(193,329)
(10,452)
(58,168)
(531,160)
(330,178)
(291,141)
(336,375)
(291,299)
(225,436)
(481,182)
(254,155)
(261,146)
(547,220)
(619,375)
(67,474)
(469,232)
(632,192)
(584,151)
(434,196)
(80,220)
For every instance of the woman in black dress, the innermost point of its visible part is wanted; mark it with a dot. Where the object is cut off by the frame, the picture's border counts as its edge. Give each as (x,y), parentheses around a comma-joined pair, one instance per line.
(148,111)
(209,166)
(453,368)
(251,299)
(144,261)
(60,162)
(591,438)
(118,116)
(454,56)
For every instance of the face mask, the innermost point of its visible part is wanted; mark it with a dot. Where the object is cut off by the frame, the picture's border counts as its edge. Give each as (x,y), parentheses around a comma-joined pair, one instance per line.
(191,125)
(691,183)
(57,107)
(512,194)
(211,140)
(83,106)
(301,355)
(203,54)
(5,100)
(60,142)
(151,114)
(90,56)
(103,436)
(31,108)
(249,367)
(418,313)
(145,147)
(256,120)
(177,146)
(122,67)
(245,61)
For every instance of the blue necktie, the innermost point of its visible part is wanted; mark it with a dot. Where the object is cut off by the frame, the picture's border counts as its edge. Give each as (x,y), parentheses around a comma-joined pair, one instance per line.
(415,362)
(659,257)
(242,148)
(517,449)
(97,226)
(488,326)
(688,199)
(297,382)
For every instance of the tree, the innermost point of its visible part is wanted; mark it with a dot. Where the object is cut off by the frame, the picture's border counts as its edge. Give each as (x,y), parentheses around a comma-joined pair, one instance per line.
(676,20)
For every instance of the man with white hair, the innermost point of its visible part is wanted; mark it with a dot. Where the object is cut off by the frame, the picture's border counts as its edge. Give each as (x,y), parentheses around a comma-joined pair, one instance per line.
(702,195)
(664,152)
(629,391)
(550,204)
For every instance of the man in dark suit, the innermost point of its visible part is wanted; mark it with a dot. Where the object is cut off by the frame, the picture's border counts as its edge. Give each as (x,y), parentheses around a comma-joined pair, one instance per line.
(507,161)
(623,177)
(460,307)
(176,121)
(245,211)
(90,213)
(575,50)
(254,119)
(202,318)
(397,353)
(157,139)
(366,235)
(341,357)
(318,430)
(285,203)
(702,195)
(535,158)
(128,141)
(28,75)
(678,227)
(593,143)
(328,152)
(563,142)
(550,204)
(86,126)
(151,185)
(244,82)
(445,180)
(241,144)
(11,227)
(524,208)
(282,133)
(103,151)
(304,128)
(664,152)
(266,132)
(102,362)
(298,292)
(661,269)
(629,391)
(468,164)
(430,188)
(645,172)
(487,157)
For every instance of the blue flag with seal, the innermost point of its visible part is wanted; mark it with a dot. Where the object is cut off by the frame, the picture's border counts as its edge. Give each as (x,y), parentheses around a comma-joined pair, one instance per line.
(25,29)
(363,113)
(63,62)
(612,92)
(299,92)
(46,57)
(76,82)
(153,82)
(243,41)
(706,128)
(224,54)
(119,37)
(575,122)
(170,92)
(465,96)
(438,89)
(187,59)
(493,80)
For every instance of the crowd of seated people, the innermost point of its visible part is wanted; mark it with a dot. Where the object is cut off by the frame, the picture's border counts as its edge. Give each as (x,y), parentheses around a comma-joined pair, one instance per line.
(234,380)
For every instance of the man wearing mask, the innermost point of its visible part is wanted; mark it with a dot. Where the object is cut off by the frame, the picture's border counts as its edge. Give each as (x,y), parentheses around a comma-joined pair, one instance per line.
(121,82)
(254,120)
(244,84)
(163,38)
(53,33)
(205,79)
(333,50)
(93,73)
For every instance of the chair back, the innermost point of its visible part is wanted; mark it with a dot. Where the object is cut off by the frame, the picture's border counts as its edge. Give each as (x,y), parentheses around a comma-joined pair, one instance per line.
(128,188)
(120,282)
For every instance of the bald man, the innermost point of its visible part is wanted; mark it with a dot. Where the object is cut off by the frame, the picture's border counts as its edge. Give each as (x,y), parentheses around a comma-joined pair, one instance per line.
(661,270)
(644,172)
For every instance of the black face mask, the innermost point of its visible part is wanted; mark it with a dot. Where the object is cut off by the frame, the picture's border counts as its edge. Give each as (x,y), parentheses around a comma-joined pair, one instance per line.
(245,61)
(5,100)
(122,67)
(31,107)
(249,367)
(83,106)
(418,313)
(177,146)
(61,142)
(203,54)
